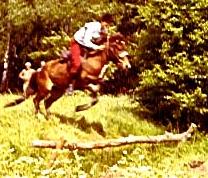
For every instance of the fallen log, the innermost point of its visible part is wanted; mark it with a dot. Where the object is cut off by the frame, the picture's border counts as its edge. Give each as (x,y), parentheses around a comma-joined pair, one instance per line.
(167,137)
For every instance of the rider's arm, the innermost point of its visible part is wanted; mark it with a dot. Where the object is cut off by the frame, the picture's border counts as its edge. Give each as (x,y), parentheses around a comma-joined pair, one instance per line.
(92,30)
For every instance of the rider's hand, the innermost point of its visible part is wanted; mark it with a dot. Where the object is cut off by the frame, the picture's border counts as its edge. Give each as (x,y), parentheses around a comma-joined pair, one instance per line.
(101,47)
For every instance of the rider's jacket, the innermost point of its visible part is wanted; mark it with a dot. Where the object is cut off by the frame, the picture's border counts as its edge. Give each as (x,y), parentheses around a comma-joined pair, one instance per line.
(87,33)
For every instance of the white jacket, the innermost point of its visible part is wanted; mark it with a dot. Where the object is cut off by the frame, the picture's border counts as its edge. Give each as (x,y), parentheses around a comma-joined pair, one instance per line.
(85,34)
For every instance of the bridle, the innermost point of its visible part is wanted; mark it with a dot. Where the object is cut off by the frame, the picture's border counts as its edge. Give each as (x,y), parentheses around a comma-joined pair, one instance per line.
(115,51)
(108,45)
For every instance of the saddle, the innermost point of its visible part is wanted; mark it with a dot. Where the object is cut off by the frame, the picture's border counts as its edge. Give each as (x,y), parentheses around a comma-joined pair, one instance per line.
(85,53)
(65,56)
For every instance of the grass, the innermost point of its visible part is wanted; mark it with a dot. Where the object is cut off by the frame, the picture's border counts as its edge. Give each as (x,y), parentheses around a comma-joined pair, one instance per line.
(112,117)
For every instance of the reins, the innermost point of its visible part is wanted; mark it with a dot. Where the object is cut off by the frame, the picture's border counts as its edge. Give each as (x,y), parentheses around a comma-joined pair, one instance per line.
(108,45)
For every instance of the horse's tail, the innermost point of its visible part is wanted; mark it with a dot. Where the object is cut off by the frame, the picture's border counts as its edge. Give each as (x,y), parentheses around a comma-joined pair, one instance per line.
(31,90)
(15,102)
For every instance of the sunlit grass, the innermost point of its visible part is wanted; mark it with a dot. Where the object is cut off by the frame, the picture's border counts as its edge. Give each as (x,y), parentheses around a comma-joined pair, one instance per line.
(111,117)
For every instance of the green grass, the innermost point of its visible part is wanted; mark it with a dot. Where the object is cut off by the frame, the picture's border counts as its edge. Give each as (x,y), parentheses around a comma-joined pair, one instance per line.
(112,117)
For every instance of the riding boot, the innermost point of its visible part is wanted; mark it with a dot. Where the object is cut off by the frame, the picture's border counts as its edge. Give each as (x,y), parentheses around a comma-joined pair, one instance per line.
(70,88)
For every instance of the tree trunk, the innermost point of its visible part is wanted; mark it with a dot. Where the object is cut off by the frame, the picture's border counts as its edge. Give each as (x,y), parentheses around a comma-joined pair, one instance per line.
(167,137)
(4,79)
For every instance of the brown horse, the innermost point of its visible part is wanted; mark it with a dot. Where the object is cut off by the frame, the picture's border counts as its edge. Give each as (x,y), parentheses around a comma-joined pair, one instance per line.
(51,82)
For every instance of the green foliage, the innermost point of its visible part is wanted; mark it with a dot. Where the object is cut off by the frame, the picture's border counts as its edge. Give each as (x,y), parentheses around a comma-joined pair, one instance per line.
(31,22)
(52,46)
(167,42)
(174,61)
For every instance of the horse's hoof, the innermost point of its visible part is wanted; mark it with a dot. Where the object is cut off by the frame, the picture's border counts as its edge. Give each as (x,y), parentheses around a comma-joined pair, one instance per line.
(78,108)
(40,116)
(94,101)
(82,107)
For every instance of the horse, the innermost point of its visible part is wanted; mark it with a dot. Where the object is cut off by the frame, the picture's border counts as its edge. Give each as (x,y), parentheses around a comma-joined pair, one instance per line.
(51,82)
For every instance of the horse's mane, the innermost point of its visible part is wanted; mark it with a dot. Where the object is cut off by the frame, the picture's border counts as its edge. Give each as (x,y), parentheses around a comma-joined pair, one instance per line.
(117,36)
(93,53)
(113,38)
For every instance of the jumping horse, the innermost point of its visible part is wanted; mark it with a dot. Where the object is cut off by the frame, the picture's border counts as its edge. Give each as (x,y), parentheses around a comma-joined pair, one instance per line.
(51,82)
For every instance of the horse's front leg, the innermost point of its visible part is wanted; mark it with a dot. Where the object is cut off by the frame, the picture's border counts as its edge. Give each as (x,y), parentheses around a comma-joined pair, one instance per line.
(36,102)
(40,95)
(55,94)
(94,89)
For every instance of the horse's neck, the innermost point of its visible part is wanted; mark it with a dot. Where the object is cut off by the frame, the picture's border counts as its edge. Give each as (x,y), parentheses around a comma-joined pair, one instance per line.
(99,56)
(104,57)
(93,65)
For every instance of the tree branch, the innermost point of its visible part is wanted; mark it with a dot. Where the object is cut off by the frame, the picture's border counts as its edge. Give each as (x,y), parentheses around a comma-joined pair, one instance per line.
(167,137)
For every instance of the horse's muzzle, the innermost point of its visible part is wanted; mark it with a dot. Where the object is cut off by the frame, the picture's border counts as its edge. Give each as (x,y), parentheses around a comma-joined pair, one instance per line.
(124,60)
(126,63)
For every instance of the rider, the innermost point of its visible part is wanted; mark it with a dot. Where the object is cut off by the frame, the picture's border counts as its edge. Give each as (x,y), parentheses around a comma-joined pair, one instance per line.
(84,38)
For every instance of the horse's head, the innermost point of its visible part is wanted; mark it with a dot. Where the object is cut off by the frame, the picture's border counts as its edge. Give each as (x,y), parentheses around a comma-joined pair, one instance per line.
(116,48)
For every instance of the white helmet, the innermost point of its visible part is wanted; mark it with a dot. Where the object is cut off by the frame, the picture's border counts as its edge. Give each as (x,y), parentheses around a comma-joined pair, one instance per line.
(28,64)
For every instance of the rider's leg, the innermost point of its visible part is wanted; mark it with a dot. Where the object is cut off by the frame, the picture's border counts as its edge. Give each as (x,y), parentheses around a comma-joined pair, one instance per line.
(75,56)
(75,63)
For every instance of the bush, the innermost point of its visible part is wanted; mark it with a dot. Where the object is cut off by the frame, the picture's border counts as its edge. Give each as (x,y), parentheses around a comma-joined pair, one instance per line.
(173,87)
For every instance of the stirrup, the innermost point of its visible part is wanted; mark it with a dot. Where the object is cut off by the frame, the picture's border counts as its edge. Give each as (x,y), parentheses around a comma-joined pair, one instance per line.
(70,89)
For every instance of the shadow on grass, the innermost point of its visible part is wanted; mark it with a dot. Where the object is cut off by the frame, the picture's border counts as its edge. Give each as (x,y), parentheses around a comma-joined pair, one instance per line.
(140,114)
(81,123)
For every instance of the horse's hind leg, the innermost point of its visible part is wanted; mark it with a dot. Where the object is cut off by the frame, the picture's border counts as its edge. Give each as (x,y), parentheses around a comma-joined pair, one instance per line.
(55,94)
(39,96)
(94,100)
